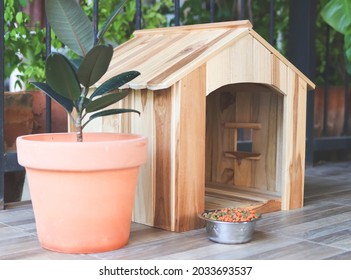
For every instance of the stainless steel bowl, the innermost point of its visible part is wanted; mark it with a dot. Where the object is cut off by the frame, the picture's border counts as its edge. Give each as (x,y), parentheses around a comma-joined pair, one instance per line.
(229,233)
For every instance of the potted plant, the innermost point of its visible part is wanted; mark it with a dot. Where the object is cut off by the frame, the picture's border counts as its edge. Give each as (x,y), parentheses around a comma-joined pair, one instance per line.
(82,185)
(230,225)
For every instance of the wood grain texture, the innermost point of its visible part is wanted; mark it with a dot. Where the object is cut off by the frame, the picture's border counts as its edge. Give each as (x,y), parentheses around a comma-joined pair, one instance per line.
(163,195)
(293,139)
(264,140)
(145,197)
(190,169)
(220,108)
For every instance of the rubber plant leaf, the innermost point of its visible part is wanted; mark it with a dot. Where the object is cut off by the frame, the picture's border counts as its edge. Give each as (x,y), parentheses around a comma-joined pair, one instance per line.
(94,65)
(61,77)
(337,13)
(109,113)
(110,19)
(66,103)
(115,82)
(347,46)
(70,24)
(76,62)
(105,100)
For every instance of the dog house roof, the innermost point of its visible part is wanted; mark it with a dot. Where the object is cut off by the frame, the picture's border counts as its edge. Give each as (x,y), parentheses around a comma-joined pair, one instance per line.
(164,56)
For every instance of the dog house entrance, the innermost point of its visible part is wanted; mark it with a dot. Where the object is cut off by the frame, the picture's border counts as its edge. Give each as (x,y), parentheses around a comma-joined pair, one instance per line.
(242,131)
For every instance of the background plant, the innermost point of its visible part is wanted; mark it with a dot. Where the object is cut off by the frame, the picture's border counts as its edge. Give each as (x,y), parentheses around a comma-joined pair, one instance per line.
(24,46)
(153,15)
(337,14)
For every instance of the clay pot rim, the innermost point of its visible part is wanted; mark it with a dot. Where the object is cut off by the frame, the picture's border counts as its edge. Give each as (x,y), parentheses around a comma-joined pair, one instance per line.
(101,151)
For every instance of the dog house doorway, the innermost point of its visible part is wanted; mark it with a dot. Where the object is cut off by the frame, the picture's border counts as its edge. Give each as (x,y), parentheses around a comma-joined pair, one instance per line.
(243,127)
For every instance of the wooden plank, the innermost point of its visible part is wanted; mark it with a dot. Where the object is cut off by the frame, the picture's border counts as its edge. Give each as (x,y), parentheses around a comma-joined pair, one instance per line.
(243,172)
(222,70)
(214,202)
(190,153)
(242,125)
(268,207)
(220,108)
(163,196)
(239,192)
(262,63)
(258,37)
(279,74)
(293,151)
(297,168)
(206,26)
(264,141)
(243,155)
(144,204)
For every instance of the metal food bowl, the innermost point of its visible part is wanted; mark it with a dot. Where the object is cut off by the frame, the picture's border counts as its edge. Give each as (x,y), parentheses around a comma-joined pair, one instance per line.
(229,232)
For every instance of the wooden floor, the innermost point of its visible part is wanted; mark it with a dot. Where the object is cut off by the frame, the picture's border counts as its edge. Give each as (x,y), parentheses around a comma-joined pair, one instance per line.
(320,230)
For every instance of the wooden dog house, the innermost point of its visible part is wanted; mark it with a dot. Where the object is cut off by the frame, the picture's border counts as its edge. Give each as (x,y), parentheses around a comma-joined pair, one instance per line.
(200,87)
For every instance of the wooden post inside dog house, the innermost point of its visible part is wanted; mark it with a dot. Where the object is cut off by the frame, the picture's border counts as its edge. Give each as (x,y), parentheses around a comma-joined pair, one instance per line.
(200,87)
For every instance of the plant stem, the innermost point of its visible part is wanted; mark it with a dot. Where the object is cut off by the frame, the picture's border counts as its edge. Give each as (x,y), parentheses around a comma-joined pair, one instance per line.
(79,129)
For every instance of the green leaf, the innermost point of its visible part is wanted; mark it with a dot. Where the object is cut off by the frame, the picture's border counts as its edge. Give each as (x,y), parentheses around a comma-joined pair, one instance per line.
(109,21)
(347,46)
(71,25)
(105,100)
(109,113)
(76,62)
(61,76)
(19,17)
(64,102)
(115,82)
(337,13)
(95,64)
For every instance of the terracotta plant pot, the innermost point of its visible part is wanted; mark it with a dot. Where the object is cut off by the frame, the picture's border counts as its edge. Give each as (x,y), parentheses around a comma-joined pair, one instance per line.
(82,192)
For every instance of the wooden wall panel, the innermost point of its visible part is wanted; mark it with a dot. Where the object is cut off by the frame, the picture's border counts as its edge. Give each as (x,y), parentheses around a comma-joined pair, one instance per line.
(292,154)
(297,166)
(144,206)
(264,140)
(190,168)
(243,114)
(231,66)
(163,199)
(220,108)
(279,74)
(262,63)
